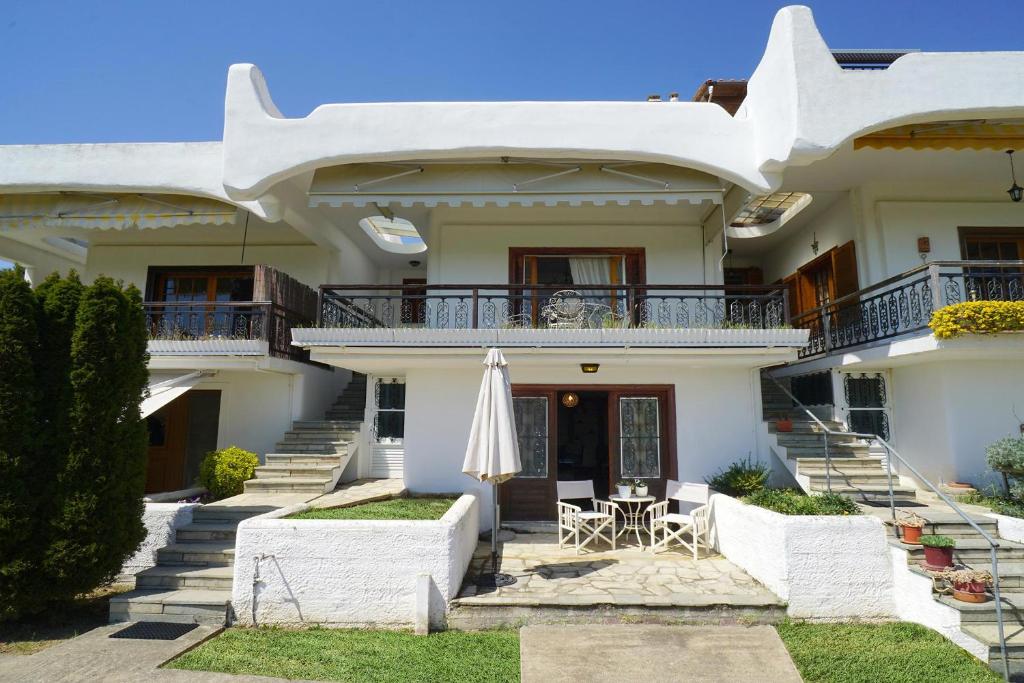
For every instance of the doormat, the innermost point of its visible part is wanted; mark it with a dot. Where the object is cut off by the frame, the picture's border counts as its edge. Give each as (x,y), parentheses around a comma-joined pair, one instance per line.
(154,630)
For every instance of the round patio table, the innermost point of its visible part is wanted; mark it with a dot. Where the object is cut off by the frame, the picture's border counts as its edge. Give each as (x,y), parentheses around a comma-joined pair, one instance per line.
(632,509)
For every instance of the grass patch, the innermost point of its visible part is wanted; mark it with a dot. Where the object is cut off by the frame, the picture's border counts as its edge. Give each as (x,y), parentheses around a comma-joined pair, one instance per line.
(359,655)
(35,633)
(995,502)
(879,653)
(425,507)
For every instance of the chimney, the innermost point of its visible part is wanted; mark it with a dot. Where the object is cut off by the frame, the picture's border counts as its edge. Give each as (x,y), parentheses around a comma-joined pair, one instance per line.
(654,98)
(673,97)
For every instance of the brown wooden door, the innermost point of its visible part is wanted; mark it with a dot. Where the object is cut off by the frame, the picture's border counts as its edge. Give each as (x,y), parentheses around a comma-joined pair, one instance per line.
(165,465)
(531,495)
(642,422)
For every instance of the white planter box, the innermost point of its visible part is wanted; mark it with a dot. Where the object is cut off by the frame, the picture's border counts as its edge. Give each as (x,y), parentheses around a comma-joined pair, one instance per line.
(350,573)
(825,567)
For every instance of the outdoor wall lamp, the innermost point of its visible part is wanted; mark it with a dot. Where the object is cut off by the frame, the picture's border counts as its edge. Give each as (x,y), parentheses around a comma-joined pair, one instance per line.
(589,368)
(570,399)
(1016,192)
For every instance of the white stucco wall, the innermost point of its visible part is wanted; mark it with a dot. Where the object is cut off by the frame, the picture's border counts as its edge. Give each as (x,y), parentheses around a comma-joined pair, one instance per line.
(358,573)
(1010,528)
(161,521)
(827,567)
(716,419)
(946,413)
(834,227)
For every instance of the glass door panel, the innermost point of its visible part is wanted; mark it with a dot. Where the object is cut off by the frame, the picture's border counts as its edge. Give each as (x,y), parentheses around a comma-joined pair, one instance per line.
(640,436)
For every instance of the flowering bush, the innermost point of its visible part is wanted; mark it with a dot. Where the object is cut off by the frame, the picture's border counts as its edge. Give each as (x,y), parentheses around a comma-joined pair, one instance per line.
(977,317)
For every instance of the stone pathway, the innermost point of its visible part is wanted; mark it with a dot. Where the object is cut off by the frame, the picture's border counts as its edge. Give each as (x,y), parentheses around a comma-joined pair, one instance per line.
(360,491)
(549,576)
(617,653)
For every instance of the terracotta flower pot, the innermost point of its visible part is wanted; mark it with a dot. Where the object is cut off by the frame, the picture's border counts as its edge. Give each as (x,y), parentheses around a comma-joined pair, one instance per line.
(973,591)
(938,558)
(784,425)
(911,534)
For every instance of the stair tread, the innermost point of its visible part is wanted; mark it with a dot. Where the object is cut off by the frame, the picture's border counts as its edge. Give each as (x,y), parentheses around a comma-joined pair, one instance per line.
(1012,600)
(201,547)
(209,526)
(973,544)
(989,634)
(180,596)
(218,572)
(289,480)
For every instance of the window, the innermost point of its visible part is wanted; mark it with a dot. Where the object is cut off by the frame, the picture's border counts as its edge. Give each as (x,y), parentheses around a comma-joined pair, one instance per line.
(831,276)
(194,294)
(389,410)
(640,432)
(531,414)
(866,401)
(993,282)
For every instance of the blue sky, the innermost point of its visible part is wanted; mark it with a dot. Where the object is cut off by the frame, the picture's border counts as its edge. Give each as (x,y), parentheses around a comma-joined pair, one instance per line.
(148,71)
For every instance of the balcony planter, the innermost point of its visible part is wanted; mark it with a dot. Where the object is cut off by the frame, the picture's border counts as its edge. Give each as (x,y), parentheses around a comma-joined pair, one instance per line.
(938,552)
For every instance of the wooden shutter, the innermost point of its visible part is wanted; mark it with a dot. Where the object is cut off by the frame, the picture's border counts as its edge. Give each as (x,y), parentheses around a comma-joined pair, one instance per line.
(844,269)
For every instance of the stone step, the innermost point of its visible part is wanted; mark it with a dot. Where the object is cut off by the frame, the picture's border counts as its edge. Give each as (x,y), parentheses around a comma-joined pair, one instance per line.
(288,484)
(288,448)
(974,552)
(188,606)
(845,450)
(332,459)
(795,438)
(859,482)
(322,434)
(206,531)
(299,470)
(210,554)
(989,635)
(303,425)
(869,491)
(317,439)
(214,513)
(841,461)
(809,428)
(166,577)
(985,612)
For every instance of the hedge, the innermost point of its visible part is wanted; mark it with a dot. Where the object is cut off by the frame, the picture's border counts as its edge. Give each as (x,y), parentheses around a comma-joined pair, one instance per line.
(977,317)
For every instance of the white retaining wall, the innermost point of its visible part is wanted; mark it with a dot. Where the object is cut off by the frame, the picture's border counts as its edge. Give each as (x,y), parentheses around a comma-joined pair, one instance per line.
(350,573)
(827,567)
(161,520)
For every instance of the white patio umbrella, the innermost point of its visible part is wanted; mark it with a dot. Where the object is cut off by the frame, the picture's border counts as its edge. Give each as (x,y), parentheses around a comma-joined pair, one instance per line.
(492,454)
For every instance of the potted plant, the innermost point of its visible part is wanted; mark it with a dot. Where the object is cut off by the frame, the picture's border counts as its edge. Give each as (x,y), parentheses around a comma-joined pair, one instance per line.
(910,525)
(938,552)
(640,487)
(969,585)
(625,487)
(784,424)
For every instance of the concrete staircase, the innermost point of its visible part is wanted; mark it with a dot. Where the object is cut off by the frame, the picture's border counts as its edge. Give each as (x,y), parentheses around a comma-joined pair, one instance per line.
(854,471)
(314,453)
(979,620)
(191,581)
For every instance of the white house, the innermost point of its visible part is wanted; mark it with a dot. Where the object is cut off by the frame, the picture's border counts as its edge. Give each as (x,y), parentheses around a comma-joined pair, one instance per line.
(639,263)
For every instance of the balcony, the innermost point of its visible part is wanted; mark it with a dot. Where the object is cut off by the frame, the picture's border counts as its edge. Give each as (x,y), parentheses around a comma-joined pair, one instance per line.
(243,328)
(551,316)
(903,304)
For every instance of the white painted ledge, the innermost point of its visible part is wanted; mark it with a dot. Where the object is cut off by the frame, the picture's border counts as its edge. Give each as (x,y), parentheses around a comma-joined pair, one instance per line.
(161,520)
(414,336)
(207,347)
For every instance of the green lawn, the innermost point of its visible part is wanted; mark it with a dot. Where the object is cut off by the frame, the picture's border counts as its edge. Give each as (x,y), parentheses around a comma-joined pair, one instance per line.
(397,508)
(879,653)
(358,656)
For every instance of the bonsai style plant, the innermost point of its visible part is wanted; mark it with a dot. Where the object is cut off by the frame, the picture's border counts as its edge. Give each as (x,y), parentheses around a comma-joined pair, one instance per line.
(1006,456)
(784,424)
(625,488)
(968,584)
(910,525)
(640,487)
(938,552)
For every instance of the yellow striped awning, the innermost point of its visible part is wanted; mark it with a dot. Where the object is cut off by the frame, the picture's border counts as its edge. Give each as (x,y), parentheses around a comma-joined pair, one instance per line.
(110,211)
(996,134)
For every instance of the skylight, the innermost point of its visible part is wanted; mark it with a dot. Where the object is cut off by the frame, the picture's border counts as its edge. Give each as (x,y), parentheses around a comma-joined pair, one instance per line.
(768,209)
(394,234)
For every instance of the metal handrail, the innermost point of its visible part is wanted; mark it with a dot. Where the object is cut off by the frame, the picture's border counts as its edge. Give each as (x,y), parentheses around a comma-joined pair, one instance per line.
(993,543)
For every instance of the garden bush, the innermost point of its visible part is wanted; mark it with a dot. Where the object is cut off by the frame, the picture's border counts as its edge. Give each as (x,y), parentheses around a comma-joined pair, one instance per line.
(791,502)
(1006,455)
(225,472)
(977,317)
(741,478)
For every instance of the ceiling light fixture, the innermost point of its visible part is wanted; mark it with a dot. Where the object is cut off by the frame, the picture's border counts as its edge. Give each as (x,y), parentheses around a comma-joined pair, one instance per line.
(589,368)
(1016,192)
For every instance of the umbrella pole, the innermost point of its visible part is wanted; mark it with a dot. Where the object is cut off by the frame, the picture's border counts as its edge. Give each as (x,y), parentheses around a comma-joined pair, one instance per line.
(494,531)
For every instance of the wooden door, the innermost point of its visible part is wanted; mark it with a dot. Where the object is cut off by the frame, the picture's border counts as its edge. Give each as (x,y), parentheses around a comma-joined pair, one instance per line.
(642,437)
(165,464)
(414,300)
(531,495)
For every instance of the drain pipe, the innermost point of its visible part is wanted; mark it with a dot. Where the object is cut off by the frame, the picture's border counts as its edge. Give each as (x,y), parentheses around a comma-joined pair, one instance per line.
(256,580)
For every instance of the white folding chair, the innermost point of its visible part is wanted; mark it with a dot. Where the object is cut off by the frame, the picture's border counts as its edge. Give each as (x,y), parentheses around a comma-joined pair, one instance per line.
(574,520)
(693,522)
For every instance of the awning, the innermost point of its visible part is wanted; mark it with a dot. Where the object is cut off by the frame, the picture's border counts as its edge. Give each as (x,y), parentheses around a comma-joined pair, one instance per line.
(997,134)
(165,388)
(106,211)
(510,182)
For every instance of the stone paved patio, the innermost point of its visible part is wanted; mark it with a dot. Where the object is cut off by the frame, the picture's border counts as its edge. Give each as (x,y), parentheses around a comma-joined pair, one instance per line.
(629,576)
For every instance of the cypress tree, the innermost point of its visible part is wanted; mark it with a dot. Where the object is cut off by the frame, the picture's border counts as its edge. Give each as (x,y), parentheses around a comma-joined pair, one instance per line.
(19,478)
(98,523)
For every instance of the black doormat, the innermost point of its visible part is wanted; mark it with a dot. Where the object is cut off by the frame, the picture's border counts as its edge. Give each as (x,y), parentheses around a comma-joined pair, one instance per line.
(494,580)
(899,503)
(154,630)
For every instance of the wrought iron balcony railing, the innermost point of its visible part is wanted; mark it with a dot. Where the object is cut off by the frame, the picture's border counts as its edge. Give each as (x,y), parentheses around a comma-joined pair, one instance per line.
(904,303)
(459,307)
(248,320)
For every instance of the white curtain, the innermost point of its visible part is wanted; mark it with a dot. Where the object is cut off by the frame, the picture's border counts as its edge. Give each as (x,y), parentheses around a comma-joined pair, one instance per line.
(590,271)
